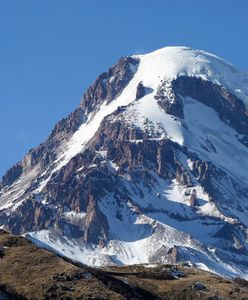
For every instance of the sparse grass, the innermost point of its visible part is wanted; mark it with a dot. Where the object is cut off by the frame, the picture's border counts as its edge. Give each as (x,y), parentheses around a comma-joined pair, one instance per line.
(28,272)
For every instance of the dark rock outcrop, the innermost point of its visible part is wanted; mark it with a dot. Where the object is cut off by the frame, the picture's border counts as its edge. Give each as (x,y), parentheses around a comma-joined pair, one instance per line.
(11,176)
(230,109)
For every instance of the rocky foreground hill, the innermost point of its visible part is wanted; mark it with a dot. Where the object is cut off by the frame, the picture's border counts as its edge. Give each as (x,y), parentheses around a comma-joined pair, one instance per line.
(28,272)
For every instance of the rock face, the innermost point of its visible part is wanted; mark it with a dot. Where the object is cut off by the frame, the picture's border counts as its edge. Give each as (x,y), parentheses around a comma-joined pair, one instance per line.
(151,167)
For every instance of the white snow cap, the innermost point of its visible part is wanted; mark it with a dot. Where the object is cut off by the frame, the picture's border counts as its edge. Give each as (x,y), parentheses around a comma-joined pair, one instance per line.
(171,62)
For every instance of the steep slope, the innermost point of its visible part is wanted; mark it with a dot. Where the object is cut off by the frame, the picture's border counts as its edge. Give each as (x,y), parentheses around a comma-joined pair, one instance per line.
(150,168)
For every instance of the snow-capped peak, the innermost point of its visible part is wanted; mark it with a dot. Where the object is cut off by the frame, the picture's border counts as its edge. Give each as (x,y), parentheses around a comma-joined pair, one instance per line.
(171,62)
(151,167)
(164,64)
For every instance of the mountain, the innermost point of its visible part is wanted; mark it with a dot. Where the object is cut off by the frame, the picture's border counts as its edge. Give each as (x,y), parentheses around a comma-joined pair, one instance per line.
(150,168)
(28,272)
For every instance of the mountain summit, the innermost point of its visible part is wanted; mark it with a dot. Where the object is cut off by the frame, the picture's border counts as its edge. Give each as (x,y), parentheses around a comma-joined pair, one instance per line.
(150,168)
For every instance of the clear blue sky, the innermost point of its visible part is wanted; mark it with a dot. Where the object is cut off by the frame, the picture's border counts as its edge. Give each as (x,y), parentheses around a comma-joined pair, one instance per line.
(51,50)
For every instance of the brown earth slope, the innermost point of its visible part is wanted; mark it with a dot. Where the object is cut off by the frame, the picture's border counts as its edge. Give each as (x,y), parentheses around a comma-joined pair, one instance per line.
(28,272)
